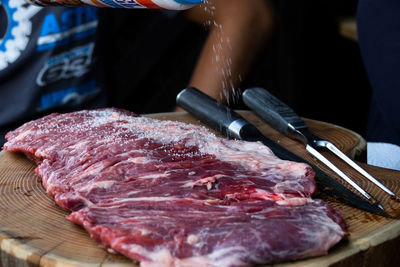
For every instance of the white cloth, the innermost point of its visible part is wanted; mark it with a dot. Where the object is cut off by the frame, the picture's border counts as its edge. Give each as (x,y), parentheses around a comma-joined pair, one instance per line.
(383,155)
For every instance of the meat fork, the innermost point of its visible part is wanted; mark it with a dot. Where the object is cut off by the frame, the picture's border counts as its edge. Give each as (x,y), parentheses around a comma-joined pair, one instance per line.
(285,120)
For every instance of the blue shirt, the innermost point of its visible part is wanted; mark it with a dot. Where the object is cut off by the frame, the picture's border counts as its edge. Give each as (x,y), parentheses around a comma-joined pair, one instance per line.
(48,61)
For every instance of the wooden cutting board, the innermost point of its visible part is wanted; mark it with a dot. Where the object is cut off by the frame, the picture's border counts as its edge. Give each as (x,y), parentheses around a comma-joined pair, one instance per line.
(34,231)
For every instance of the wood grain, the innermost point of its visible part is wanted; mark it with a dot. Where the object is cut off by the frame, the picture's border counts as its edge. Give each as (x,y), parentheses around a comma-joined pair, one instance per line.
(34,231)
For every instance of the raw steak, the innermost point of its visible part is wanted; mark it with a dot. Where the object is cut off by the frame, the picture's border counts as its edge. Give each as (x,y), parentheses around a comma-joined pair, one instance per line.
(172,194)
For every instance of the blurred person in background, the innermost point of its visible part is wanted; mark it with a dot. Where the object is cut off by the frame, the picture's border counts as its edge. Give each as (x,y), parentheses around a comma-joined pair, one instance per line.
(242,28)
(48,61)
(60,59)
(211,47)
(378,23)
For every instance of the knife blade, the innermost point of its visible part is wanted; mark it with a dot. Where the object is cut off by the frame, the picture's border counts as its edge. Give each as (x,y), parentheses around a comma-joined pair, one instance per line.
(231,124)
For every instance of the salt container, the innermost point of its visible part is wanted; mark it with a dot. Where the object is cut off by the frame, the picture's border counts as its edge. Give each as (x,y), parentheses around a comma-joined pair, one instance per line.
(153,4)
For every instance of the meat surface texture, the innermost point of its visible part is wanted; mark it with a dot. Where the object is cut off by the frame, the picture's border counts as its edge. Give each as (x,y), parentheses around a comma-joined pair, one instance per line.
(173,194)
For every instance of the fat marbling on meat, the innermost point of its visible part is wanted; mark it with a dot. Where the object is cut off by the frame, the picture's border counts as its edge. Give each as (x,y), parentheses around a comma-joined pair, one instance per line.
(174,194)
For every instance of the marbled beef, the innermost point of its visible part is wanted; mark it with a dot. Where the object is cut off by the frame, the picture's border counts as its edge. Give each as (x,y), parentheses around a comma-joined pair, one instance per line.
(173,194)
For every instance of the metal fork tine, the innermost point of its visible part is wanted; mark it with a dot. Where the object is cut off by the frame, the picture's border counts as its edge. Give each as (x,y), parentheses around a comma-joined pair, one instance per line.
(324,160)
(340,154)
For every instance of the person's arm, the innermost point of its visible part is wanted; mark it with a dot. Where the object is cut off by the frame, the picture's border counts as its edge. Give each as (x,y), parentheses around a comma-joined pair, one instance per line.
(238,31)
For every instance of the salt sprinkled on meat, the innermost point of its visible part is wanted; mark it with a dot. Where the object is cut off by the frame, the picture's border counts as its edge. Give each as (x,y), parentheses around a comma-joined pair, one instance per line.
(172,194)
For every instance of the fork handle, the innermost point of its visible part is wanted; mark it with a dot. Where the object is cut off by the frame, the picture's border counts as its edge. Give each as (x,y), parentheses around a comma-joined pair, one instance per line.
(263,102)
(274,112)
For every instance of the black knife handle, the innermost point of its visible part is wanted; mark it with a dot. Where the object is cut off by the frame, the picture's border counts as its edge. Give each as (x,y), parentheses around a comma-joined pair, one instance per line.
(274,111)
(213,113)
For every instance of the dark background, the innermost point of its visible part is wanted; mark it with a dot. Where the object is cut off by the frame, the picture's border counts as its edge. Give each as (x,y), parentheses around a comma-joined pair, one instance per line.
(307,63)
